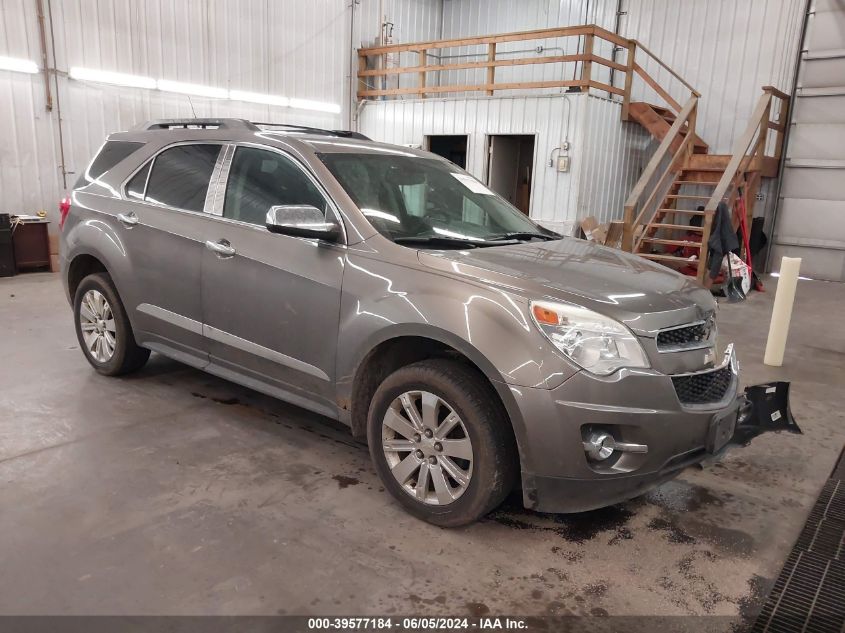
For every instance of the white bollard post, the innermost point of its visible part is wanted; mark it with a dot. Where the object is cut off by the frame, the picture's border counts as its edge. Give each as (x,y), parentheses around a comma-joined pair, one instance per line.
(782,311)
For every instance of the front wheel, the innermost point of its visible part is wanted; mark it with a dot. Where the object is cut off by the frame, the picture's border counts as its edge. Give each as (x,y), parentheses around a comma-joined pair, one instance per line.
(441,442)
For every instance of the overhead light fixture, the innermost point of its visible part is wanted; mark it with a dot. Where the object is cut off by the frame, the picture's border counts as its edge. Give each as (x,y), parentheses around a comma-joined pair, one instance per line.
(117,79)
(196,90)
(256,97)
(18,65)
(320,106)
(166,85)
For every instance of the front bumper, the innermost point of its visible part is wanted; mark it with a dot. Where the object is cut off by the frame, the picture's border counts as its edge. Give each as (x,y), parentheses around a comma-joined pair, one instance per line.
(638,407)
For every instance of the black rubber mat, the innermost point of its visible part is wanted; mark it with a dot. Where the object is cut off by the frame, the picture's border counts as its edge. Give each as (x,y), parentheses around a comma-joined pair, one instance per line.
(809,595)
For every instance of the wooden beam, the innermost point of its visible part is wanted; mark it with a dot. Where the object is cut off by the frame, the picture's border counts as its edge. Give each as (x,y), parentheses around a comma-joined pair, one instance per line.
(558,83)
(629,78)
(606,87)
(516,36)
(422,55)
(656,87)
(778,93)
(491,70)
(587,66)
(521,61)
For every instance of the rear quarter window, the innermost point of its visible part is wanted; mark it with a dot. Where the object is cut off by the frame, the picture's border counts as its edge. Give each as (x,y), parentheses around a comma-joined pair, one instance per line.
(110,154)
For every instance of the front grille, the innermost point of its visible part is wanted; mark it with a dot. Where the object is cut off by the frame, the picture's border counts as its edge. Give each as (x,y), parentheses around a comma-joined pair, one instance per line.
(687,337)
(703,388)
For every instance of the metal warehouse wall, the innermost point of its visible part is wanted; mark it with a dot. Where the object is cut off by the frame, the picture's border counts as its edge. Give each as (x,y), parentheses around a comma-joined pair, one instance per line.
(294,49)
(607,156)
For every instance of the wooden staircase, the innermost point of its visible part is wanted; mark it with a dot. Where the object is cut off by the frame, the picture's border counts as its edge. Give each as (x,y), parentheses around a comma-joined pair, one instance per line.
(674,222)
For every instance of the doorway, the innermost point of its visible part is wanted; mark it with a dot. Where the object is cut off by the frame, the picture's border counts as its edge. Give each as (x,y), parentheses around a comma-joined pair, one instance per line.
(451,147)
(510,167)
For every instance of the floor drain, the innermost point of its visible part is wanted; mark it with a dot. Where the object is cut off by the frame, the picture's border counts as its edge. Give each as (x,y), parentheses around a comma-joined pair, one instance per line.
(809,595)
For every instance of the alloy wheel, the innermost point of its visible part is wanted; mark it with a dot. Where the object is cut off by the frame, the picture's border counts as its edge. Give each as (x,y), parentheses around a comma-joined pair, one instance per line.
(427,447)
(96,321)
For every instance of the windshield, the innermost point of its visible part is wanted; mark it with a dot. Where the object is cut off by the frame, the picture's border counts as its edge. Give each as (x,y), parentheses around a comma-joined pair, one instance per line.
(413,199)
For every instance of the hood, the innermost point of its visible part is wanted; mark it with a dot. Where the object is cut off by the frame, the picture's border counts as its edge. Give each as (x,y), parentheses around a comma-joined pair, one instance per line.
(642,294)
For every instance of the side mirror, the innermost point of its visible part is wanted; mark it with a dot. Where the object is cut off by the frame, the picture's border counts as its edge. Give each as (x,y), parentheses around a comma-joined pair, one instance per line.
(301,221)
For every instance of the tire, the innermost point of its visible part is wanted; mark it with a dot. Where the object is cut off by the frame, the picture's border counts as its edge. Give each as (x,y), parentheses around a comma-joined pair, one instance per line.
(473,487)
(114,351)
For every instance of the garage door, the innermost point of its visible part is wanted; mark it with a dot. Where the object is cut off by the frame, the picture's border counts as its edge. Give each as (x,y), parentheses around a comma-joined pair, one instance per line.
(811,211)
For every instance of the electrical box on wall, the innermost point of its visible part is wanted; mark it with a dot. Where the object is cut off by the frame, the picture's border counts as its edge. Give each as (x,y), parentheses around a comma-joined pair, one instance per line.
(563,163)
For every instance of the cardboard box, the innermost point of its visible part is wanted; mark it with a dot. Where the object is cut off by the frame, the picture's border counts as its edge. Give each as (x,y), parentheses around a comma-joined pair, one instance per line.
(54,262)
(54,244)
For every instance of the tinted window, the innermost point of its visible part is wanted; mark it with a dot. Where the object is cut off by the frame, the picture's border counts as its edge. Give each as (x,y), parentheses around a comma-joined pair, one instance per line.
(110,155)
(135,187)
(260,179)
(180,176)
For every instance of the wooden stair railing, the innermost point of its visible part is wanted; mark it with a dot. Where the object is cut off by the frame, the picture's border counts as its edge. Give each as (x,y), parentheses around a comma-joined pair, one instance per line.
(746,168)
(684,145)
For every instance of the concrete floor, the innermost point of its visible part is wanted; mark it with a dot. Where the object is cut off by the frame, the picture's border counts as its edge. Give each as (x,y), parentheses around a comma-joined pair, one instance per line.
(173,492)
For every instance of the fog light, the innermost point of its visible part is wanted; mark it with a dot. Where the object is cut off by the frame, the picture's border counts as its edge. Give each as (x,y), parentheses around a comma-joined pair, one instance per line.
(599,445)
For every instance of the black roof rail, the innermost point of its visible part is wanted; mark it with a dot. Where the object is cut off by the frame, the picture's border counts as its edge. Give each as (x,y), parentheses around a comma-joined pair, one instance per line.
(204,124)
(316,130)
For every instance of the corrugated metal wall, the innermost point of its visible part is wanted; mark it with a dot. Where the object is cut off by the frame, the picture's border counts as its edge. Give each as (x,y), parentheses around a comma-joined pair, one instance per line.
(727,49)
(607,155)
(294,49)
(811,213)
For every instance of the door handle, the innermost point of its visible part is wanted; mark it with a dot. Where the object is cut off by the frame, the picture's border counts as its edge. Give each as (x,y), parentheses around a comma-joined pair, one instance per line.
(222,249)
(128,219)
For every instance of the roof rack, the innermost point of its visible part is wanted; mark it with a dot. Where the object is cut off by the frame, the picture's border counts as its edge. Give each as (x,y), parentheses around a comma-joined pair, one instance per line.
(203,124)
(315,130)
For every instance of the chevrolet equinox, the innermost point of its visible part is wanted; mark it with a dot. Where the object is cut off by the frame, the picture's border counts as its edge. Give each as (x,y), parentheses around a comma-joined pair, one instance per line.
(389,289)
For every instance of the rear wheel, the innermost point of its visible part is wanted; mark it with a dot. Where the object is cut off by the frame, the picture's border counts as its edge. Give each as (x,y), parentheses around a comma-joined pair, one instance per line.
(103,329)
(441,443)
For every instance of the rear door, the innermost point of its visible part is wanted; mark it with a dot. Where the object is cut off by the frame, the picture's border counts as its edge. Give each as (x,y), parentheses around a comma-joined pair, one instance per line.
(271,302)
(163,227)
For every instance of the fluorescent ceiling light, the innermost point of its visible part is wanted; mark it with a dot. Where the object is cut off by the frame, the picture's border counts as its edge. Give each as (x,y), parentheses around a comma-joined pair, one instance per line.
(255,97)
(166,85)
(321,106)
(117,79)
(18,65)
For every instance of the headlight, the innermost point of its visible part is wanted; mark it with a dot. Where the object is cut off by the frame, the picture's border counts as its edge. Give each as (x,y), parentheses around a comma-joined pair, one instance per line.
(590,340)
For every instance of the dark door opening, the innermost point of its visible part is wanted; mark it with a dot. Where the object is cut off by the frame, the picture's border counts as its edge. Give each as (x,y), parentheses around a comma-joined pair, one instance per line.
(452,148)
(510,168)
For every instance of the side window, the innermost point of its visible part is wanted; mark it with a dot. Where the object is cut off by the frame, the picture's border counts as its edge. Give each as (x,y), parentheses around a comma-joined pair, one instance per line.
(260,179)
(135,187)
(110,155)
(180,176)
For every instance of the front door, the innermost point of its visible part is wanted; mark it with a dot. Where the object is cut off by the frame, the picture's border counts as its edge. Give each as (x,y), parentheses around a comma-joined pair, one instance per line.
(271,302)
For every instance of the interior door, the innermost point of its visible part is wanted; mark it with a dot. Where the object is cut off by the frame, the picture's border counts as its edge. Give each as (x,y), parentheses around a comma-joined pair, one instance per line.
(503,166)
(163,225)
(271,302)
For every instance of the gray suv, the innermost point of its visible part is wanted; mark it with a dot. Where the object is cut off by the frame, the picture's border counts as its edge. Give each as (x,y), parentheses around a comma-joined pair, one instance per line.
(386,288)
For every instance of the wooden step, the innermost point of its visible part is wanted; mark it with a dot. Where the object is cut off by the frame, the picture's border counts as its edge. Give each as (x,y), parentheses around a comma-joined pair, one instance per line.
(674,259)
(650,117)
(660,240)
(678,196)
(676,227)
(696,183)
(687,211)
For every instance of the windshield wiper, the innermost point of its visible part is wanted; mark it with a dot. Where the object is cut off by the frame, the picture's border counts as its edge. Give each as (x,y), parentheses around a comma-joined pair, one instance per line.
(442,240)
(525,235)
